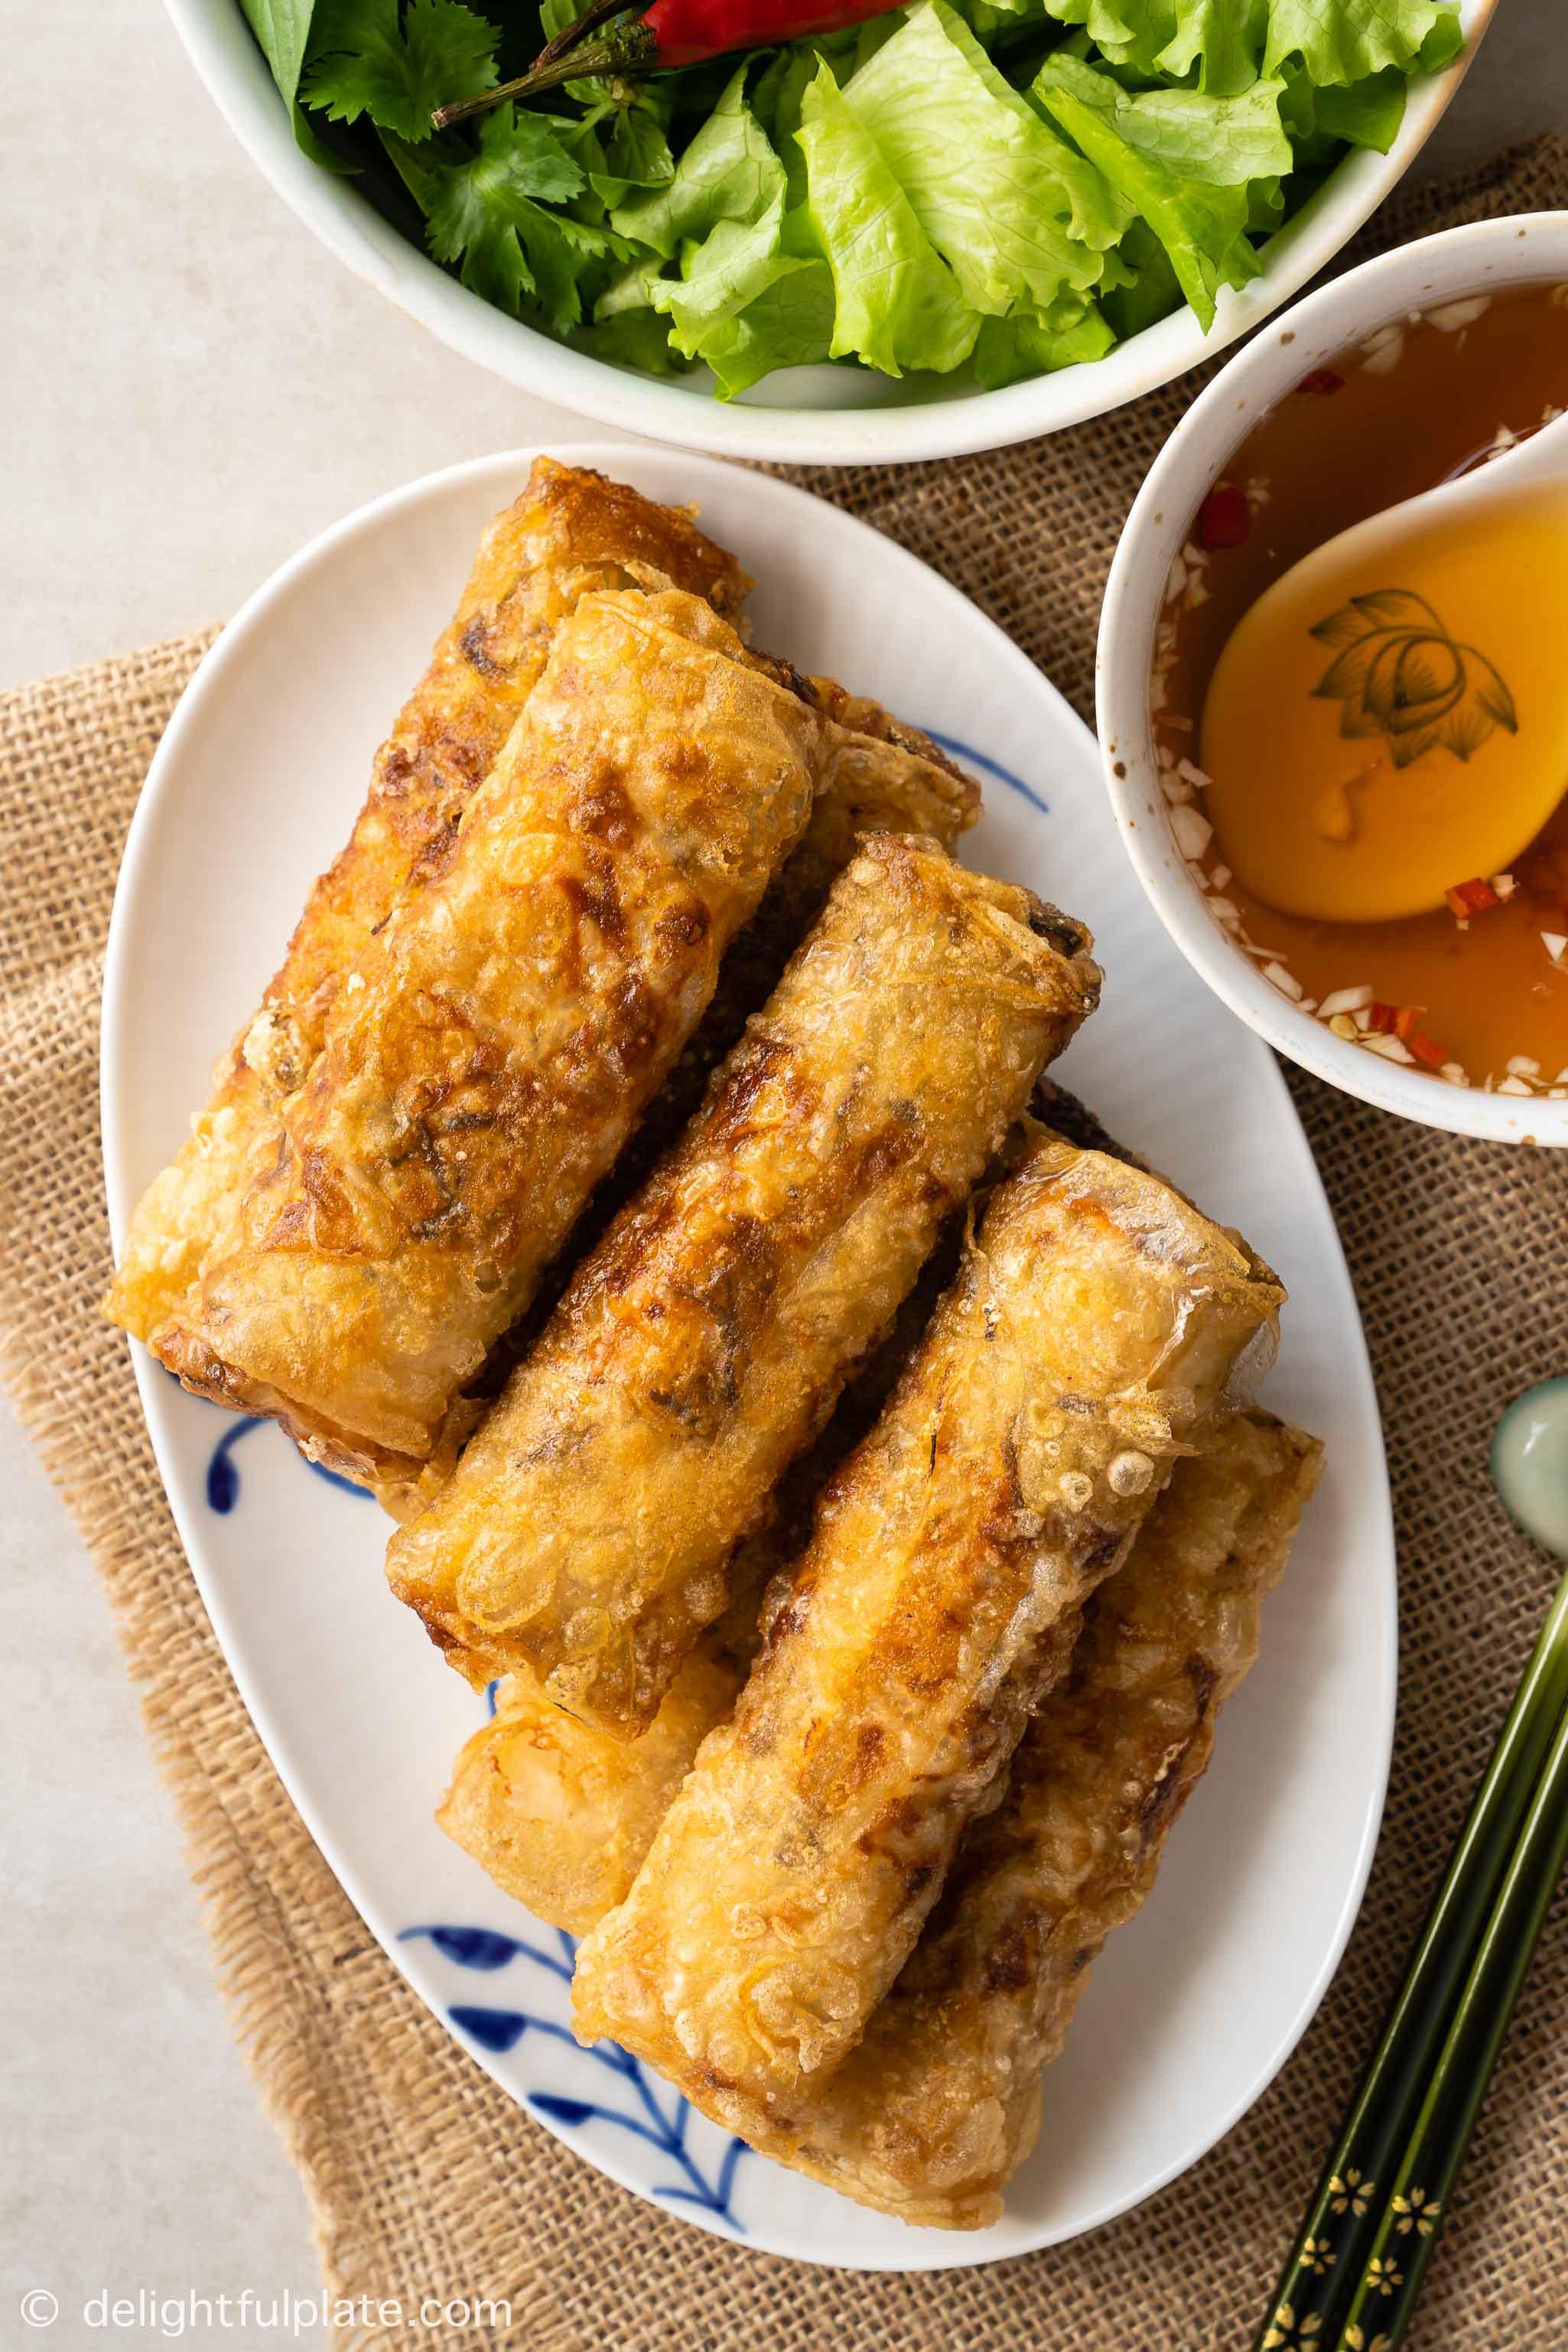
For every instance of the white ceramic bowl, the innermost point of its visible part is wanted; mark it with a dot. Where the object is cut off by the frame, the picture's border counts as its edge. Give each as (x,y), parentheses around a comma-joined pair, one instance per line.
(1441,269)
(819,415)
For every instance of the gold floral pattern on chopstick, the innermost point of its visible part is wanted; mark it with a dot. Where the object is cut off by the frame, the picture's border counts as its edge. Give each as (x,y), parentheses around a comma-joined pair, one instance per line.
(1286,2334)
(1416,2211)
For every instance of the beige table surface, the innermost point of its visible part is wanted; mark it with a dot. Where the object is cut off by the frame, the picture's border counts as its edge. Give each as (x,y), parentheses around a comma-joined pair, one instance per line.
(192,388)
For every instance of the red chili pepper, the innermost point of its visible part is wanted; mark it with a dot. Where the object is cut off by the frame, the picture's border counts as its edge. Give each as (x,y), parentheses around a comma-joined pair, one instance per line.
(1381,1018)
(671,33)
(1322,380)
(1471,897)
(1225,518)
(1425,1049)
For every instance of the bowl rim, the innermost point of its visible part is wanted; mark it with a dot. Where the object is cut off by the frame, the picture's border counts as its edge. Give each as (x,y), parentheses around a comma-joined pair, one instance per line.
(1448,265)
(228,62)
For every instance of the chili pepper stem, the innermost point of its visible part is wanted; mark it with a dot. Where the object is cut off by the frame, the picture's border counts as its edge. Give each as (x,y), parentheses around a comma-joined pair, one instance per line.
(625,50)
(570,36)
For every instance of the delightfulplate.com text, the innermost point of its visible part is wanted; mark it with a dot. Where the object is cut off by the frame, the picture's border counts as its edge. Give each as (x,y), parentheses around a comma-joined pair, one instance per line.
(150,2312)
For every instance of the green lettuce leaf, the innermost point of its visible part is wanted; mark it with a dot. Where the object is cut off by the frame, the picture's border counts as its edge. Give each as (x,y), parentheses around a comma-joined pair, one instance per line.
(1147,289)
(1201,226)
(788,324)
(1012,209)
(988,18)
(736,261)
(1007,349)
(637,338)
(1224,141)
(777,100)
(744,304)
(1364,113)
(633,152)
(366,59)
(730,173)
(1229,43)
(900,305)
(1345,40)
(1321,122)
(741,301)
(630,288)
(1222,39)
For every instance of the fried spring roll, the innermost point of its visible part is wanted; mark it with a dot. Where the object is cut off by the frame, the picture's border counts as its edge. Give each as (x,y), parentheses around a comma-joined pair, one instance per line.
(934,2110)
(569,532)
(889,779)
(560,1814)
(1090,1332)
(895,781)
(703,1344)
(497,1041)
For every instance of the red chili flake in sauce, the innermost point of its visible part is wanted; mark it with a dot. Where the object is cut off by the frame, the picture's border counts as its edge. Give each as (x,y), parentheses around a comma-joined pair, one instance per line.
(1321,381)
(1381,1018)
(1473,897)
(1426,1050)
(1224,518)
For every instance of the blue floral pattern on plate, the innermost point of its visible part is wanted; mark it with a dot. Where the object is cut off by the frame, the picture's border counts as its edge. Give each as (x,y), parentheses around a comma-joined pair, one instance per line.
(223,1477)
(663,2122)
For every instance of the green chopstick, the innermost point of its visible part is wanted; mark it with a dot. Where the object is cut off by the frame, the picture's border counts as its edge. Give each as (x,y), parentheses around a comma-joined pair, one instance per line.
(1418,2192)
(1347,2214)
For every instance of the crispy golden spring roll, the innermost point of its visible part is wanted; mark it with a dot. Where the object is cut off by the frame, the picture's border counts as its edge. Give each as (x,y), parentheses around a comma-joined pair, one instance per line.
(1087,1339)
(560,1814)
(891,779)
(934,2110)
(703,1344)
(895,781)
(571,531)
(497,1041)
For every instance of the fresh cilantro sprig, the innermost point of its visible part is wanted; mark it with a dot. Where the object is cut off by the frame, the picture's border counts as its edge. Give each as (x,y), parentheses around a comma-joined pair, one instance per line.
(517,205)
(364,58)
(488,213)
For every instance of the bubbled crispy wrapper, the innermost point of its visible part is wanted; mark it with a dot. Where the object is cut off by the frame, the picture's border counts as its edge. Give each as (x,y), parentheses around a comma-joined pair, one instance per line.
(422,2173)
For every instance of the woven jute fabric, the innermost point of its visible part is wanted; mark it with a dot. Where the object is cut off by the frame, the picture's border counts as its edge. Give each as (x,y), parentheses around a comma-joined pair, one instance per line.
(425,2179)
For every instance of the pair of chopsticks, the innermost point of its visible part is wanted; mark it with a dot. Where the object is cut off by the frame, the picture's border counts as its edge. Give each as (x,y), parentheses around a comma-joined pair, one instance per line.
(1351,2280)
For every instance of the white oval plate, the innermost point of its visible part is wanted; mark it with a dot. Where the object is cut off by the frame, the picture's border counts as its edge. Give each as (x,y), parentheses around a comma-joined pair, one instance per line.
(1197,2004)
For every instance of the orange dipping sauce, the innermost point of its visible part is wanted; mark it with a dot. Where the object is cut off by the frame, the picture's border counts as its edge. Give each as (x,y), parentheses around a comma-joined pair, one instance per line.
(1476,990)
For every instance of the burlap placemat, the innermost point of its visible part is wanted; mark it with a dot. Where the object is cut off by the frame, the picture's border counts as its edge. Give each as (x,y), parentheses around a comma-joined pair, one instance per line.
(425,2179)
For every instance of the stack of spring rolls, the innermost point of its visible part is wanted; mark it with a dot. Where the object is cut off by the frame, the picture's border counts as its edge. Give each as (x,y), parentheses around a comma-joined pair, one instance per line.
(630,1176)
